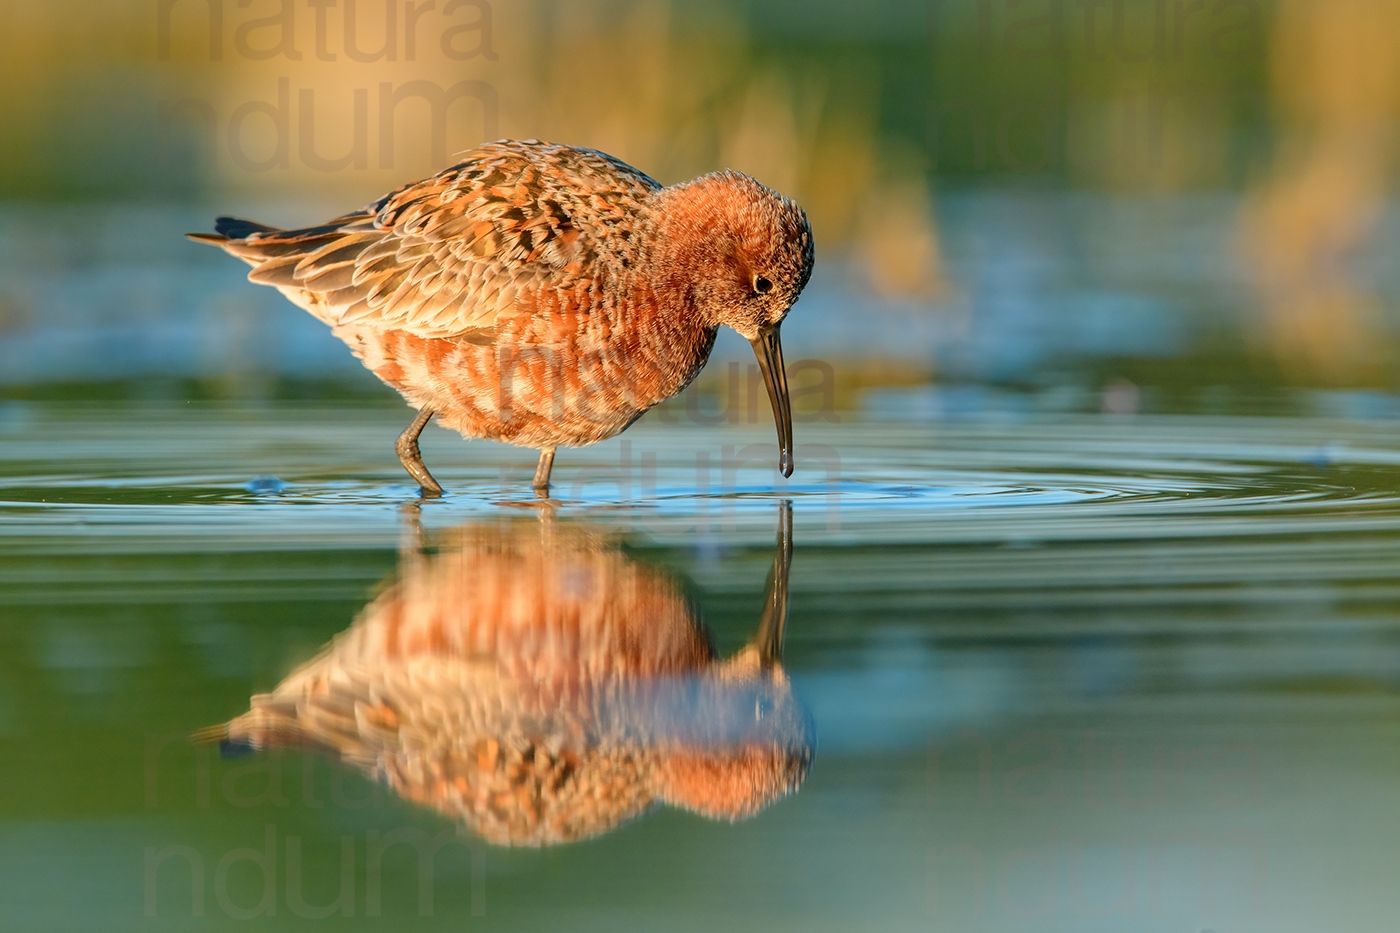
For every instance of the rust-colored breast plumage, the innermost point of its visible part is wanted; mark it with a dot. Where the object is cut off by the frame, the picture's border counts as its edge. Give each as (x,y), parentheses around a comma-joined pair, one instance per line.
(502,293)
(540,686)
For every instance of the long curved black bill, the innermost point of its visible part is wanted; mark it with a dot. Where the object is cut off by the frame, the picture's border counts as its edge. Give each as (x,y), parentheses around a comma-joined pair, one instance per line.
(769,351)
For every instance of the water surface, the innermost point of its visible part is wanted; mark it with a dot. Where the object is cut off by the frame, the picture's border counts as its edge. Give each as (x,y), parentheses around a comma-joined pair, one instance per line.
(1062,672)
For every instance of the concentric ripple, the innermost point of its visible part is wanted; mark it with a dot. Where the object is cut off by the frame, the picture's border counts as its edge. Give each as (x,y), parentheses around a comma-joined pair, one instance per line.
(308,477)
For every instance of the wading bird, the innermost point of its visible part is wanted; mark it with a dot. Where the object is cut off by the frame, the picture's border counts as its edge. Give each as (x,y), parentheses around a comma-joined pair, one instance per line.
(532,682)
(544,295)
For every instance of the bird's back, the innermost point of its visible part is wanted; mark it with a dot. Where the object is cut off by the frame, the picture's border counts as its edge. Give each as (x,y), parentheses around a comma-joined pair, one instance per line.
(506,294)
(444,256)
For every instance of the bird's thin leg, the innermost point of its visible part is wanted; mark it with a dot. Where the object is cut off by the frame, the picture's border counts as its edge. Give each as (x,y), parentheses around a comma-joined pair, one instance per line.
(542,472)
(769,638)
(407,449)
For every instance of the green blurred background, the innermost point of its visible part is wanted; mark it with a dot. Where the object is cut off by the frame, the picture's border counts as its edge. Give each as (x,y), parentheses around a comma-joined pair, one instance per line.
(1056,209)
(1121,204)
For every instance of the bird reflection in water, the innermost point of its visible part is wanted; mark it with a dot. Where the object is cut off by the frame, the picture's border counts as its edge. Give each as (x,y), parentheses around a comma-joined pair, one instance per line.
(535,683)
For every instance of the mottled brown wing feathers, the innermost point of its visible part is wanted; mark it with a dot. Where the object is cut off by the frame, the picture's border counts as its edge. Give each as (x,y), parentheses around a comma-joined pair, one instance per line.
(444,256)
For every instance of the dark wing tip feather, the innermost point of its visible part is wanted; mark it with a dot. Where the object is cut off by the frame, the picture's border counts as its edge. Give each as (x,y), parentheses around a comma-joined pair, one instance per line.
(235,748)
(236,229)
(230,745)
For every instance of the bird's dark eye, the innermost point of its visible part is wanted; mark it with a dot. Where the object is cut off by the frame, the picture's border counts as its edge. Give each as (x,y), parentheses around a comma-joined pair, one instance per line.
(762,285)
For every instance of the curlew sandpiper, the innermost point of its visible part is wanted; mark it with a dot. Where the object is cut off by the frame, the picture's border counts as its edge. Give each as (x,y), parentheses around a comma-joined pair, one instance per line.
(544,295)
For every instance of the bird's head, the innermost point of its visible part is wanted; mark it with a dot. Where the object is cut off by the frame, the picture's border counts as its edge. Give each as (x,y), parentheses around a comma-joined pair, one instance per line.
(741,253)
